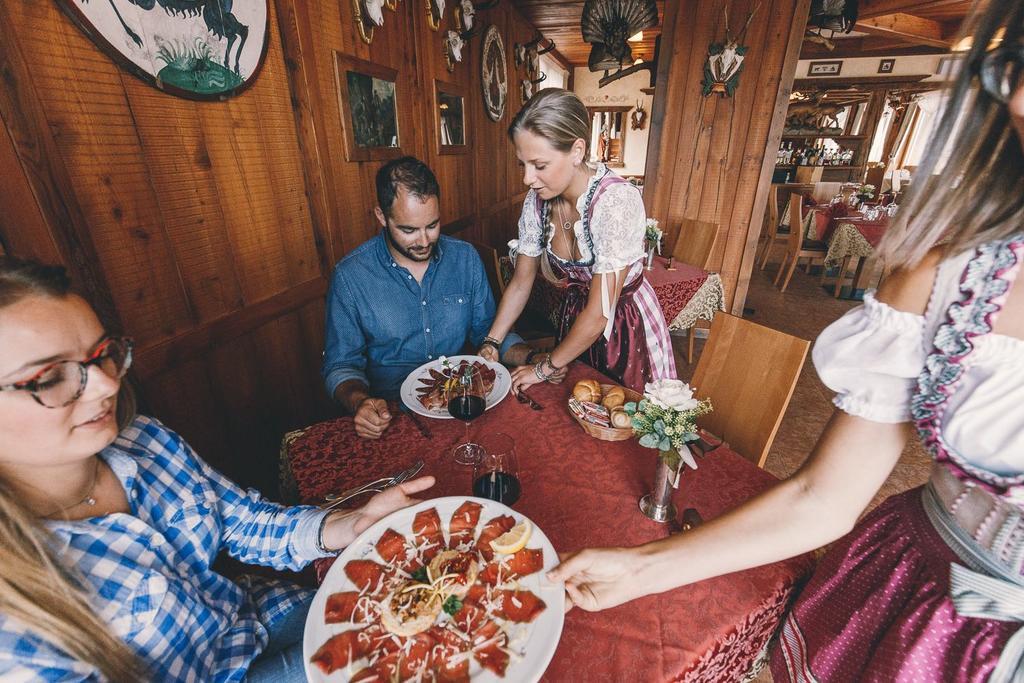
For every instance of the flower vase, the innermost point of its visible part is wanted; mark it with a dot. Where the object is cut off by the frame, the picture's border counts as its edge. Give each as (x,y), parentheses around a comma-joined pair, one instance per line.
(650,256)
(657,504)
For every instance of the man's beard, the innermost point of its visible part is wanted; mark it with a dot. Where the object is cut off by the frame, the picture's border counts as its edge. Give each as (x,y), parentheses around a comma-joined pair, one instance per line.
(411,255)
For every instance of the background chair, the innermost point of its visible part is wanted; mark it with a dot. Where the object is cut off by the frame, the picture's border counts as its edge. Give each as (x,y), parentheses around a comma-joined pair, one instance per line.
(749,372)
(694,246)
(492,266)
(824,192)
(796,246)
(535,332)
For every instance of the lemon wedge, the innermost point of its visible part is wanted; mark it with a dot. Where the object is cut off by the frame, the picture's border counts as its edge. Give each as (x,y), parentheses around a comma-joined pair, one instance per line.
(514,540)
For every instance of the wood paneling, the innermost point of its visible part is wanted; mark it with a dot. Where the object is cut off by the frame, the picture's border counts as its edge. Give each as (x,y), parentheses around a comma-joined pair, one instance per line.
(207,230)
(706,155)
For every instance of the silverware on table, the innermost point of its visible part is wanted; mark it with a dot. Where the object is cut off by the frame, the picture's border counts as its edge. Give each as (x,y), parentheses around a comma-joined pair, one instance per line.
(335,499)
(415,419)
(523,398)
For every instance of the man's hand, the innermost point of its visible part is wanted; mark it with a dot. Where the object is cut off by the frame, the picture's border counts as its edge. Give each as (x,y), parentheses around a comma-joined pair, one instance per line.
(488,352)
(372,418)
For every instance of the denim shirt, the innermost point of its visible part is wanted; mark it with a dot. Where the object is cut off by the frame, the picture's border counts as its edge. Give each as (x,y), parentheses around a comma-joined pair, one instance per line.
(382,324)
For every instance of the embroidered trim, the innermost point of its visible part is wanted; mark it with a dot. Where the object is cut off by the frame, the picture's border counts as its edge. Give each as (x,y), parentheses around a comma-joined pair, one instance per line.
(983,286)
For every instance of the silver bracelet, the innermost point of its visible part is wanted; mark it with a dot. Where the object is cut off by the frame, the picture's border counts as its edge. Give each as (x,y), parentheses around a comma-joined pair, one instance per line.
(320,537)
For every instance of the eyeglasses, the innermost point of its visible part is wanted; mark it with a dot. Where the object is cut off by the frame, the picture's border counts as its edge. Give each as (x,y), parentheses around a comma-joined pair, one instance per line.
(62,383)
(1001,70)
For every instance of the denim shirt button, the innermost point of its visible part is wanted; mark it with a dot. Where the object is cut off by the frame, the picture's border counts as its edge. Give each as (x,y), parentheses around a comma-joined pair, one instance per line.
(427,330)
(424,302)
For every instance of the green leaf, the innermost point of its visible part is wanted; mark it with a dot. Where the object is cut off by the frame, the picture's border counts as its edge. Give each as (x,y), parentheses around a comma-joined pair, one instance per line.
(649,440)
(630,407)
(452,605)
(665,444)
(659,426)
(690,436)
(420,575)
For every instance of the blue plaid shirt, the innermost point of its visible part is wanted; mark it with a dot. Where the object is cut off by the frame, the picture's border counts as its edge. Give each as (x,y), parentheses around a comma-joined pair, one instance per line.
(150,574)
(382,324)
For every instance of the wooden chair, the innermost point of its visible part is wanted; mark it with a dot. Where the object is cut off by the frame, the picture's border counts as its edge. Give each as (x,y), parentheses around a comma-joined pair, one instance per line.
(824,192)
(774,233)
(796,246)
(694,246)
(749,372)
(492,266)
(808,174)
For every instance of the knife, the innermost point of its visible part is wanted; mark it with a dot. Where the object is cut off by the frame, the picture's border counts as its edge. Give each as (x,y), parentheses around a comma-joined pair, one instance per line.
(415,419)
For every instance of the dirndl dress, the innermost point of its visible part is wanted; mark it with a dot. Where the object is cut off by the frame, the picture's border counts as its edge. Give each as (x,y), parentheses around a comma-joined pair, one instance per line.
(930,585)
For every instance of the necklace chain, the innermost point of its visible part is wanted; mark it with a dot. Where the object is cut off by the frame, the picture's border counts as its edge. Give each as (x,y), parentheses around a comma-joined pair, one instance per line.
(89,499)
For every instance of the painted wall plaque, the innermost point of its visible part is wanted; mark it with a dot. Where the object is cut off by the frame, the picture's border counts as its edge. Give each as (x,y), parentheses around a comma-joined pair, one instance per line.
(200,49)
(494,74)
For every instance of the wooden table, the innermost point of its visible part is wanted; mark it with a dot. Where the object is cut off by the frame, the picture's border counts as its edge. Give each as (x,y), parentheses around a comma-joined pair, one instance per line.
(583,492)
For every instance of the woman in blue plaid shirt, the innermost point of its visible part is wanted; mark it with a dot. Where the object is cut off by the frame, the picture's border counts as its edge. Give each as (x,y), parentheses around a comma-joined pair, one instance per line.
(109,523)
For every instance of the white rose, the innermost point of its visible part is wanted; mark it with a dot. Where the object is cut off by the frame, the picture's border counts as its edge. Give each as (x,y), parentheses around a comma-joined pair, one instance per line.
(672,394)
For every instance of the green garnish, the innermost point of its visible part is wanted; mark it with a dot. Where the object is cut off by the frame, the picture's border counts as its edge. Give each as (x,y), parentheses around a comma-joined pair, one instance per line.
(420,575)
(452,605)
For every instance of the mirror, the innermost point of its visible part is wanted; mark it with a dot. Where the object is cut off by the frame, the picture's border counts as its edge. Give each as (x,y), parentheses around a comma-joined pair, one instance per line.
(608,135)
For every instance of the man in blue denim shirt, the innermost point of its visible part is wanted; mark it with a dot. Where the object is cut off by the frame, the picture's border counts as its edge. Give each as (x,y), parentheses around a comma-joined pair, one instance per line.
(403,298)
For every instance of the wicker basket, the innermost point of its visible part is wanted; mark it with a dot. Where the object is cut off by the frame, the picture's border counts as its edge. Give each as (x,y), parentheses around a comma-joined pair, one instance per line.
(609,433)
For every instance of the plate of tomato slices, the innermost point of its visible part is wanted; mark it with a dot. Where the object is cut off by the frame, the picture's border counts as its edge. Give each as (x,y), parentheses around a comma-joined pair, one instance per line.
(451,589)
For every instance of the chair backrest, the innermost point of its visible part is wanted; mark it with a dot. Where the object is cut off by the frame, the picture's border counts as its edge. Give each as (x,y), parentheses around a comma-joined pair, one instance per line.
(808,174)
(772,211)
(696,242)
(875,176)
(823,192)
(669,238)
(796,222)
(749,372)
(492,266)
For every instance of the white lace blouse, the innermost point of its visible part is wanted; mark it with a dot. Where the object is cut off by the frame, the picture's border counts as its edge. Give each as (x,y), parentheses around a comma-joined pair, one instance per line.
(617,226)
(873,355)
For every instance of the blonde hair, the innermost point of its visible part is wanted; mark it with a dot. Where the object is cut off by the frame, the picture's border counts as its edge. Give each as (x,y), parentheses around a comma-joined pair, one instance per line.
(556,115)
(35,588)
(967,189)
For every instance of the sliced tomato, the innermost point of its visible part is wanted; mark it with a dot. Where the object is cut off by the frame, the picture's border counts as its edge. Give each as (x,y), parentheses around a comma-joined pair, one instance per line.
(470,618)
(462,528)
(339,651)
(344,606)
(518,606)
(523,563)
(427,528)
(491,656)
(494,528)
(391,546)
(365,573)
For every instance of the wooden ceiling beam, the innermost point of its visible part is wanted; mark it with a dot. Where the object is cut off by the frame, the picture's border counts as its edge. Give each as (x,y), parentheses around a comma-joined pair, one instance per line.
(877,8)
(867,47)
(906,27)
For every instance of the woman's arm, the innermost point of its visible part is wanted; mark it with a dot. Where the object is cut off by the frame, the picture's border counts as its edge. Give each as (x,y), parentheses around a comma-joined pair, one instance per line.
(821,502)
(817,505)
(586,330)
(513,301)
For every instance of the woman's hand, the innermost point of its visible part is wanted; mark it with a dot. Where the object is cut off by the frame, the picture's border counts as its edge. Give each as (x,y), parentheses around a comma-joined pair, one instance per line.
(488,352)
(599,578)
(523,377)
(343,527)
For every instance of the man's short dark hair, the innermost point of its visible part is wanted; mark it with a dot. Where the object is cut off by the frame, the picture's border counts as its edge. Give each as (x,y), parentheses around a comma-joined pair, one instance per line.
(410,173)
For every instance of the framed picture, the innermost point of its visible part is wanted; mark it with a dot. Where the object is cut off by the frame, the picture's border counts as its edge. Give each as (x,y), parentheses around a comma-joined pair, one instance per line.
(368,95)
(830,68)
(885,66)
(450,118)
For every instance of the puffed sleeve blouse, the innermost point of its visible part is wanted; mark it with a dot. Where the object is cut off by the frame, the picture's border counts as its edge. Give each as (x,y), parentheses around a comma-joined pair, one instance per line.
(617,225)
(873,355)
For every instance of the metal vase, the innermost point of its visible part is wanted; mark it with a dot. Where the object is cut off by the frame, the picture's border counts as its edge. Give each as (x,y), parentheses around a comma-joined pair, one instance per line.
(657,504)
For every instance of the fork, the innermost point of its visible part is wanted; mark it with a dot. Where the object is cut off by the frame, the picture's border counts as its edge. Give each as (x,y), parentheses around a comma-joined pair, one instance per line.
(335,499)
(523,398)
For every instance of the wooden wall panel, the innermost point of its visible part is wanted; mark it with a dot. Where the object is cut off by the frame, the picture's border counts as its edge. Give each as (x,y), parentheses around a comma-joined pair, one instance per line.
(706,155)
(207,230)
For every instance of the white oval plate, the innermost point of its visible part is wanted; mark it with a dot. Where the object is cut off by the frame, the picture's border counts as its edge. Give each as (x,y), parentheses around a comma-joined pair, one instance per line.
(544,632)
(407,392)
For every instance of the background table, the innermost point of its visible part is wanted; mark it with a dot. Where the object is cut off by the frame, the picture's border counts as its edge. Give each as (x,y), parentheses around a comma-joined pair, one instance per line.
(855,237)
(583,492)
(686,294)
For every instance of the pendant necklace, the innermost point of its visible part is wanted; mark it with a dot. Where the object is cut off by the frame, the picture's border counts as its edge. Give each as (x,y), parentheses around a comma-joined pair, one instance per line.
(89,499)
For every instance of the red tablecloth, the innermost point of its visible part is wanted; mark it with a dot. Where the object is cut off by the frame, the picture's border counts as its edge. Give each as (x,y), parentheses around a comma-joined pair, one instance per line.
(583,492)
(873,231)
(827,217)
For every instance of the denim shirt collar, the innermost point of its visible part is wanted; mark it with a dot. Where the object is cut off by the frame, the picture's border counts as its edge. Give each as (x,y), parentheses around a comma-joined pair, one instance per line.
(388,261)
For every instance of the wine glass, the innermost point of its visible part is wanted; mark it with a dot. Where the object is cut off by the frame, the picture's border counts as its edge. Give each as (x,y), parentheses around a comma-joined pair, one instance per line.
(466,402)
(496,472)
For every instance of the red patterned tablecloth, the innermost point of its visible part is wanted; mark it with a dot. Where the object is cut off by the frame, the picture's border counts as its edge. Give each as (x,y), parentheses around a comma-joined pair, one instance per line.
(583,492)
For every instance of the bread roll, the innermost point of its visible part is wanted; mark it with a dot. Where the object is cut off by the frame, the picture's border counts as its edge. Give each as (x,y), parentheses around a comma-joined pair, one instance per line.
(587,390)
(620,419)
(614,398)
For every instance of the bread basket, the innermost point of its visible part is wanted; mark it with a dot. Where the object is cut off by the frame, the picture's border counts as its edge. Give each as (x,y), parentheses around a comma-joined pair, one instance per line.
(610,433)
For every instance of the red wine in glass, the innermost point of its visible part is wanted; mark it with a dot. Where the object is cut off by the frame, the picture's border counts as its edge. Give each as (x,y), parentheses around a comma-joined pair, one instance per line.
(500,486)
(466,402)
(466,407)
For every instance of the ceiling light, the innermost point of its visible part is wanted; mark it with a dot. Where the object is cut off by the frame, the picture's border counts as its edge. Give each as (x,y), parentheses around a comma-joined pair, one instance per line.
(639,35)
(967,42)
